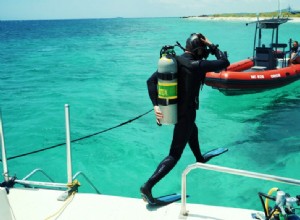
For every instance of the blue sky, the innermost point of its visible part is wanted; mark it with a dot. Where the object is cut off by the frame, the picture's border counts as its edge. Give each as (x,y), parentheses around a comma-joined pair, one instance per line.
(65,9)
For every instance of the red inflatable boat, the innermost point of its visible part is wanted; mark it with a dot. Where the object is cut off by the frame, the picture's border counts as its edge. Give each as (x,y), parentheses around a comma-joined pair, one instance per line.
(243,77)
(267,69)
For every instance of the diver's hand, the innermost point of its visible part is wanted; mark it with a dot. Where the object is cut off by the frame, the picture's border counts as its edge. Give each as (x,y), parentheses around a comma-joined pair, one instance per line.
(212,48)
(158,114)
(206,41)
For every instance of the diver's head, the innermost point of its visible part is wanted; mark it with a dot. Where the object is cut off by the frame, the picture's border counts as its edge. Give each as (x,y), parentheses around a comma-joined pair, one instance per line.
(295,44)
(196,46)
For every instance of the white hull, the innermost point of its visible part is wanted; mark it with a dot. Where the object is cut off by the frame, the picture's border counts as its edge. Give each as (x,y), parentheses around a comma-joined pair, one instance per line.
(38,204)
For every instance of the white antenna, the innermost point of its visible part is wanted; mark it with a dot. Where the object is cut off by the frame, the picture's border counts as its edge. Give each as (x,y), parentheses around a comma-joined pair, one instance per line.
(279,9)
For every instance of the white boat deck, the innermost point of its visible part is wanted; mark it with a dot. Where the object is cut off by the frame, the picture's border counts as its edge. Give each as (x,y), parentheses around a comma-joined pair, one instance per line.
(38,204)
(43,204)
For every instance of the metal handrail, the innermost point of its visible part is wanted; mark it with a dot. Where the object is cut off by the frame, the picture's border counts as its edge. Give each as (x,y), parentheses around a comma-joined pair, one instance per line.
(45,184)
(238,172)
(29,183)
(35,171)
(87,179)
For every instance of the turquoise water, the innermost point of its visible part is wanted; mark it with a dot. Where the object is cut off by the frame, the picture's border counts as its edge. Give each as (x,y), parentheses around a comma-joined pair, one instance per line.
(100,67)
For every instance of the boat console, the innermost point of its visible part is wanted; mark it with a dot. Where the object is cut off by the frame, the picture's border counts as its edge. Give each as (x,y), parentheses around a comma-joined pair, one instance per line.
(265,57)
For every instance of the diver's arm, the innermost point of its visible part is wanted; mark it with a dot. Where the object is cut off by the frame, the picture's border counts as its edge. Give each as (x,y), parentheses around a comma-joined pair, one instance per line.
(152,88)
(221,63)
(215,50)
(215,65)
(219,54)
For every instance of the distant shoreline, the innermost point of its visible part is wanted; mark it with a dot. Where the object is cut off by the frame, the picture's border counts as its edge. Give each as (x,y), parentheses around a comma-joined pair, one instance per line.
(234,18)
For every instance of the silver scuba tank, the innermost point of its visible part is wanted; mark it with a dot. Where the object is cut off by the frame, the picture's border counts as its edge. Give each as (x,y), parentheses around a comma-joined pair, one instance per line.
(167,85)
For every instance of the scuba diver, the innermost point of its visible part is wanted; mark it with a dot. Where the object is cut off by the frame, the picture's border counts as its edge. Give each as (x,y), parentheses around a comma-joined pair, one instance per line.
(192,67)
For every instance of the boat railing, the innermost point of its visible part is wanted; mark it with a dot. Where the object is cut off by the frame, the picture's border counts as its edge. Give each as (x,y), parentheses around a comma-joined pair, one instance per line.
(35,171)
(30,183)
(261,176)
(72,184)
(80,173)
(52,184)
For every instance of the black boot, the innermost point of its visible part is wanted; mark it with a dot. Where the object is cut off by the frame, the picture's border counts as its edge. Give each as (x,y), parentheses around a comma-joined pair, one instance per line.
(146,194)
(163,169)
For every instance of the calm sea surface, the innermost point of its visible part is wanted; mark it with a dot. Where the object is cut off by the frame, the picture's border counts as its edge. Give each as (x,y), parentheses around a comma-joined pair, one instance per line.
(100,67)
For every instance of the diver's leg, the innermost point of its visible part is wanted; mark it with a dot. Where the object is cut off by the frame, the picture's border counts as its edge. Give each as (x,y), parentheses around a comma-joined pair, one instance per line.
(194,144)
(180,137)
(163,169)
(182,133)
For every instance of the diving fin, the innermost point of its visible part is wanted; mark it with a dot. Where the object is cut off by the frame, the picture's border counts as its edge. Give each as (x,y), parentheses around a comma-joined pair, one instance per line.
(167,199)
(164,200)
(213,153)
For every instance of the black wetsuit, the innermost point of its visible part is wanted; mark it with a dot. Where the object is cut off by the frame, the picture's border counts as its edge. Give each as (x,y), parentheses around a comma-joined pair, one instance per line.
(191,75)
